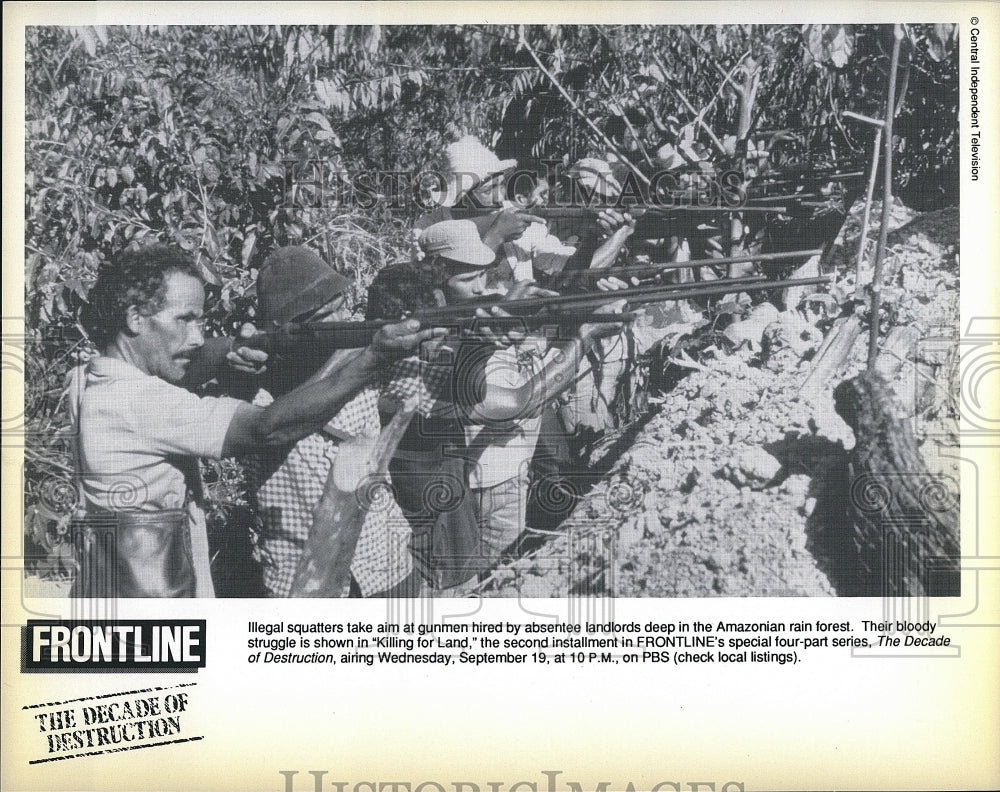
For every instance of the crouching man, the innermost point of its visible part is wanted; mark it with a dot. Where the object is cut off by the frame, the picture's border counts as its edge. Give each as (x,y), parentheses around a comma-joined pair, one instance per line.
(286,482)
(479,419)
(139,434)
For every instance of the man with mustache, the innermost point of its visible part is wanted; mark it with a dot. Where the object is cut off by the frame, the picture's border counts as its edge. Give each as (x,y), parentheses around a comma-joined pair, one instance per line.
(139,434)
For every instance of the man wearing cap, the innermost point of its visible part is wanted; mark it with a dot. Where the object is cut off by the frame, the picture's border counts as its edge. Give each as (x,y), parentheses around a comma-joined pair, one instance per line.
(592,181)
(539,254)
(477,178)
(139,435)
(488,406)
(474,176)
(287,481)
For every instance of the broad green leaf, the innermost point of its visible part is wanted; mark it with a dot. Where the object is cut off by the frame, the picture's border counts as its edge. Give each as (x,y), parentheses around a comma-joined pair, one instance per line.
(321,120)
(211,171)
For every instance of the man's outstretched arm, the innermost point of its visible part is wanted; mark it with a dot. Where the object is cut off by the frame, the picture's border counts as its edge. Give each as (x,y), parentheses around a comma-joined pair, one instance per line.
(309,407)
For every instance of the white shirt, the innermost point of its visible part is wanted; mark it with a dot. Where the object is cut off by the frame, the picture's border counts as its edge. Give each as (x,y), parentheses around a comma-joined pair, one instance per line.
(536,250)
(139,434)
(137,444)
(502,449)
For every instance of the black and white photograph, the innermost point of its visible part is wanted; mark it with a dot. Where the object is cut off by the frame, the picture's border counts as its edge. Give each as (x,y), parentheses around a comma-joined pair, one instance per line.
(492,311)
(498,397)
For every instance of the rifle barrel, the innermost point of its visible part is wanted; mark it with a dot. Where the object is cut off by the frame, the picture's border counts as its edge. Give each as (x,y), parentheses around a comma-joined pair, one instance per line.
(784,197)
(658,292)
(674,291)
(671,288)
(591,212)
(323,336)
(712,291)
(647,295)
(639,269)
(562,302)
(800,166)
(782,179)
(714,208)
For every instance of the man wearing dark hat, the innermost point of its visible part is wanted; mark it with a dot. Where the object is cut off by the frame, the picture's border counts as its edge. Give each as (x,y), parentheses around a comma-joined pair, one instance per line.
(139,435)
(286,482)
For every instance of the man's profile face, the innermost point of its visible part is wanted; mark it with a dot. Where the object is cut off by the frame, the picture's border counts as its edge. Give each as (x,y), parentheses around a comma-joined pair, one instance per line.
(466,286)
(490,192)
(539,195)
(166,340)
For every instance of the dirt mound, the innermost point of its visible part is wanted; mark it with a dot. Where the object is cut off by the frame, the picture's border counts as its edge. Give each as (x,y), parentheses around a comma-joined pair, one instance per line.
(737,485)
(940,227)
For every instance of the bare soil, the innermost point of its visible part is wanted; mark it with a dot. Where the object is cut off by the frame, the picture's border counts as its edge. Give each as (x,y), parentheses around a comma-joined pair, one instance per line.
(737,483)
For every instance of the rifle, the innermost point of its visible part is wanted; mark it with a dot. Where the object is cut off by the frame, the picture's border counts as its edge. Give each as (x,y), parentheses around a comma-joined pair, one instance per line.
(741,198)
(781,180)
(759,199)
(323,338)
(653,269)
(652,222)
(544,213)
(644,295)
(805,167)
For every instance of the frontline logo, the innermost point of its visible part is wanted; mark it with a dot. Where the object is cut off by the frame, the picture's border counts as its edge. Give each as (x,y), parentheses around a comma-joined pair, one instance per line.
(141,645)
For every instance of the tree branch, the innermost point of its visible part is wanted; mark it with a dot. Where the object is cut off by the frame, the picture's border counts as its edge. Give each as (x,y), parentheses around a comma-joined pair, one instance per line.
(579,111)
(635,134)
(699,120)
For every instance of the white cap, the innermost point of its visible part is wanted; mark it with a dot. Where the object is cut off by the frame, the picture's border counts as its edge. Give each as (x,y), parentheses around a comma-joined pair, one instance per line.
(596,174)
(457,240)
(469,164)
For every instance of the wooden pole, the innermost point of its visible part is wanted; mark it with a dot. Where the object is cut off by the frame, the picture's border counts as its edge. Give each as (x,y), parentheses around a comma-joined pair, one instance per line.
(866,218)
(862,243)
(890,108)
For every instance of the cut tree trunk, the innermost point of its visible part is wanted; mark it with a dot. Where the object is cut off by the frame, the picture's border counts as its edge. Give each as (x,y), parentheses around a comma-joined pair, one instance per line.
(833,353)
(905,517)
